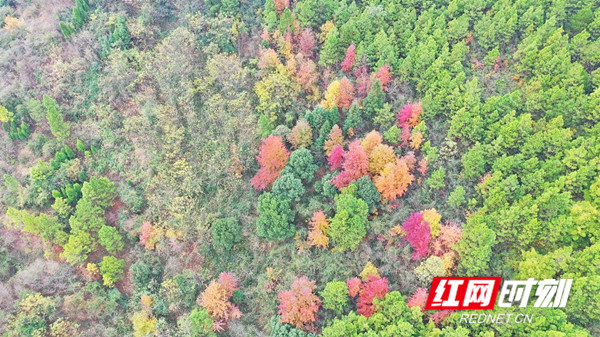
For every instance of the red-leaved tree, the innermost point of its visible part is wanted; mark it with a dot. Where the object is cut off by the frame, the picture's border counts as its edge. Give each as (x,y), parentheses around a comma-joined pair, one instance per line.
(440,315)
(272,158)
(229,281)
(418,235)
(384,76)
(349,59)
(336,157)
(409,115)
(346,94)
(405,136)
(422,167)
(363,83)
(265,35)
(353,285)
(355,165)
(299,305)
(374,287)
(418,299)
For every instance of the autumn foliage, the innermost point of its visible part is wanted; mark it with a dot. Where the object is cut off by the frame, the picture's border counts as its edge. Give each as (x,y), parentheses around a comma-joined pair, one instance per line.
(418,299)
(371,140)
(409,115)
(216,300)
(418,235)
(272,158)
(335,138)
(443,246)
(355,165)
(336,158)
(345,93)
(433,218)
(268,59)
(307,75)
(384,76)
(394,180)
(349,59)
(449,235)
(422,166)
(307,42)
(299,305)
(331,95)
(148,235)
(374,287)
(318,230)
(363,83)
(380,156)
(368,271)
(416,139)
(353,285)
(301,135)
(280,5)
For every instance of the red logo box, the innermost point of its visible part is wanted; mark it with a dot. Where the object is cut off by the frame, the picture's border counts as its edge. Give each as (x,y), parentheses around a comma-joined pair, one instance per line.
(463,293)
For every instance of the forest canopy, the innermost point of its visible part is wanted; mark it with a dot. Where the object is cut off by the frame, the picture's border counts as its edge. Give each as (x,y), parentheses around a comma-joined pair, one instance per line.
(294,167)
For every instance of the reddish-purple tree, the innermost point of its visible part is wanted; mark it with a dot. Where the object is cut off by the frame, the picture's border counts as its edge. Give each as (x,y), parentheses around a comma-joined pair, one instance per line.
(349,59)
(362,80)
(336,157)
(418,235)
(355,165)
(405,136)
(307,42)
(409,115)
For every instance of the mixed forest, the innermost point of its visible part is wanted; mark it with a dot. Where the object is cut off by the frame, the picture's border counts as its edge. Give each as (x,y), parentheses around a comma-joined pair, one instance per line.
(294,168)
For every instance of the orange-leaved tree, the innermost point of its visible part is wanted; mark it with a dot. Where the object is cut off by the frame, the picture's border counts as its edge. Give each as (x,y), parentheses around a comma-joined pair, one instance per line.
(371,140)
(384,76)
(216,300)
(272,158)
(380,156)
(345,93)
(299,305)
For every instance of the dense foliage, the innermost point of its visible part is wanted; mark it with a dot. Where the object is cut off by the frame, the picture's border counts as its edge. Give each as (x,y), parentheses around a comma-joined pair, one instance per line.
(294,168)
